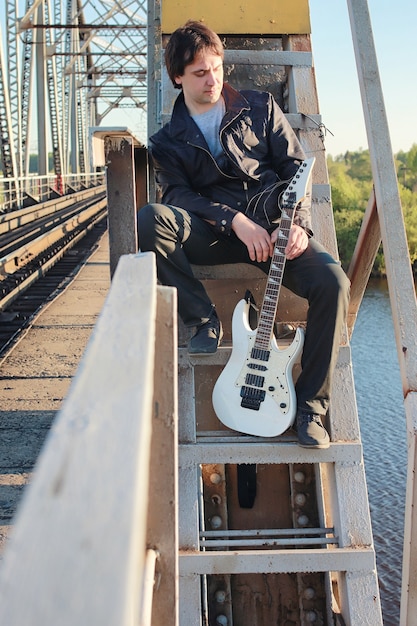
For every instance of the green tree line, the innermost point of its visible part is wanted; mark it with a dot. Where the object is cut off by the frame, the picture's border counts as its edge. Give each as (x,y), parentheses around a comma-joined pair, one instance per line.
(351,182)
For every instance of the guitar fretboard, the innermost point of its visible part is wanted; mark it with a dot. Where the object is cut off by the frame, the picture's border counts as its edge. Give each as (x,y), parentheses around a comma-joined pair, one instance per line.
(293,195)
(270,302)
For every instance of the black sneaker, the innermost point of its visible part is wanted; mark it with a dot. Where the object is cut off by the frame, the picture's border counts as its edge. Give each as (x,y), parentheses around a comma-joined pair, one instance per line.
(207,338)
(310,431)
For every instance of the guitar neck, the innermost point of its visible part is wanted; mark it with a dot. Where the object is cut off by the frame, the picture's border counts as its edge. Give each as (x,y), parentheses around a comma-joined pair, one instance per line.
(273,286)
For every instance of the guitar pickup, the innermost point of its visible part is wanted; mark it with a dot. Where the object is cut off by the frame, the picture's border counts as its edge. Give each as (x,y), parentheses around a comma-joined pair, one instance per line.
(254,380)
(259,354)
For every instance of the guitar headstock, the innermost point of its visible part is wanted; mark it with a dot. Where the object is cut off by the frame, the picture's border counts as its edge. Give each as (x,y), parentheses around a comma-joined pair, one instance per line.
(298,187)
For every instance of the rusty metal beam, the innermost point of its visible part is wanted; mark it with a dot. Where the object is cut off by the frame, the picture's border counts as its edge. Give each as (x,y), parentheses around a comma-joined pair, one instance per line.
(126,161)
(363,258)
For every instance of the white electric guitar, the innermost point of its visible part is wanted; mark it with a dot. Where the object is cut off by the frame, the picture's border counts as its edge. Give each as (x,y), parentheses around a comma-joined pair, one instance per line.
(255,392)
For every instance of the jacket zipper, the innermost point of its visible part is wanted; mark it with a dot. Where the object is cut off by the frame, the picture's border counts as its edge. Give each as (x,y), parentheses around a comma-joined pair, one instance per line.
(245,184)
(245,187)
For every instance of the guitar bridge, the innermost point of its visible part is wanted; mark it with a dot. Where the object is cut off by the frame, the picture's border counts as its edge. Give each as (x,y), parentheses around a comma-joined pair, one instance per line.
(251,398)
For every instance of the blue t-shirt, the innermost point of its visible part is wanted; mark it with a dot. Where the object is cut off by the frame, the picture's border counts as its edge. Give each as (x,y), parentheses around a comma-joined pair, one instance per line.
(209,124)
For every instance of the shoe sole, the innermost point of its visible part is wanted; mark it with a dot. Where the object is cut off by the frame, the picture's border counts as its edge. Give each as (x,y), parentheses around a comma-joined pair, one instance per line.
(315,446)
(202,353)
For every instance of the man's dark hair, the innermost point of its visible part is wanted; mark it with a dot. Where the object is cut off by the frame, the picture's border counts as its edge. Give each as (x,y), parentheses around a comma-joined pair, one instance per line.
(186,43)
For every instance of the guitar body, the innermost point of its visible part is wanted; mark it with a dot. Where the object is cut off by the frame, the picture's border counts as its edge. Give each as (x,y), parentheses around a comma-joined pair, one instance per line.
(254,395)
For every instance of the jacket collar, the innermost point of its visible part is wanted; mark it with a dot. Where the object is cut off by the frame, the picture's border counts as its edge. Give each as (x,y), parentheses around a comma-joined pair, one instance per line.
(181,123)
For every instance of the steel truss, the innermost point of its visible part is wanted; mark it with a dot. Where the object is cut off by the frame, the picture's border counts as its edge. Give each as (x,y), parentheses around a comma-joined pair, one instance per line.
(77,60)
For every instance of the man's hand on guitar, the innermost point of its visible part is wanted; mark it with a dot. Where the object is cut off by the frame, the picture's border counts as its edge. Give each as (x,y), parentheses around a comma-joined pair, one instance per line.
(257,239)
(297,241)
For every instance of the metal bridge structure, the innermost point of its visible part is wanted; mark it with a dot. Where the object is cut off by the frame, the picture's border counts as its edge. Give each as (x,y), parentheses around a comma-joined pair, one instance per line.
(65,65)
(187,553)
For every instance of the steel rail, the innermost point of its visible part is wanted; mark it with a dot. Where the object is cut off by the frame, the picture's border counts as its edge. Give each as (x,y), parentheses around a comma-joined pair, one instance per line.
(17,259)
(11,241)
(24,266)
(14,219)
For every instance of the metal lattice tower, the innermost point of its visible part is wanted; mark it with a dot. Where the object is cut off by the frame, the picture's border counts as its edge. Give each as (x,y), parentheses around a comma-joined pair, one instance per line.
(6,129)
(91,57)
(13,69)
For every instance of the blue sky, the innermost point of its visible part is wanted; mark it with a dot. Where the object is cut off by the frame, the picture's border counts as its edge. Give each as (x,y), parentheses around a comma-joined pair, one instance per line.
(394,27)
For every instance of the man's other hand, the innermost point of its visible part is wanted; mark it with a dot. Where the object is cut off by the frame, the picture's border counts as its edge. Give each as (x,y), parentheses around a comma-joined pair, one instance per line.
(297,241)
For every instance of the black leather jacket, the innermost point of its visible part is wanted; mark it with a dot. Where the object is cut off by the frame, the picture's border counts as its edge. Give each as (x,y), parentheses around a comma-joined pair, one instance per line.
(260,150)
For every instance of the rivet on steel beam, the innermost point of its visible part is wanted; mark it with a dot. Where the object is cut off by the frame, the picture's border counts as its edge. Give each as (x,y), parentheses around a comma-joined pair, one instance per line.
(220,596)
(309,593)
(221,620)
(300,499)
(215,478)
(311,617)
(216,521)
(303,520)
(216,499)
(299,477)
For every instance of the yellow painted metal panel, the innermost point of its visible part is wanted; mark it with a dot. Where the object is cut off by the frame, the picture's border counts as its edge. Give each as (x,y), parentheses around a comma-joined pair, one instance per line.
(267,17)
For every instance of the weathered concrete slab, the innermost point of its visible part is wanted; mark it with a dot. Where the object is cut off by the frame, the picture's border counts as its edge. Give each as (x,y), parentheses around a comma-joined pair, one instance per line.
(19,449)
(48,352)
(25,419)
(37,373)
(40,394)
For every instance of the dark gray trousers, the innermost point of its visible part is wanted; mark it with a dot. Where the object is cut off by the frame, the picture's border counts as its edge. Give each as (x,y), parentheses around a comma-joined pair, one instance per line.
(179,239)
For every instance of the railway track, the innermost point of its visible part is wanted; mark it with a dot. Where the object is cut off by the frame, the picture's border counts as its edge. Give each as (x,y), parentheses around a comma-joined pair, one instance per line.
(41,248)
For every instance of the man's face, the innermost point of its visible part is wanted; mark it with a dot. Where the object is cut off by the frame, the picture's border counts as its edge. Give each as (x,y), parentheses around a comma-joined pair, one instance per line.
(202,82)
